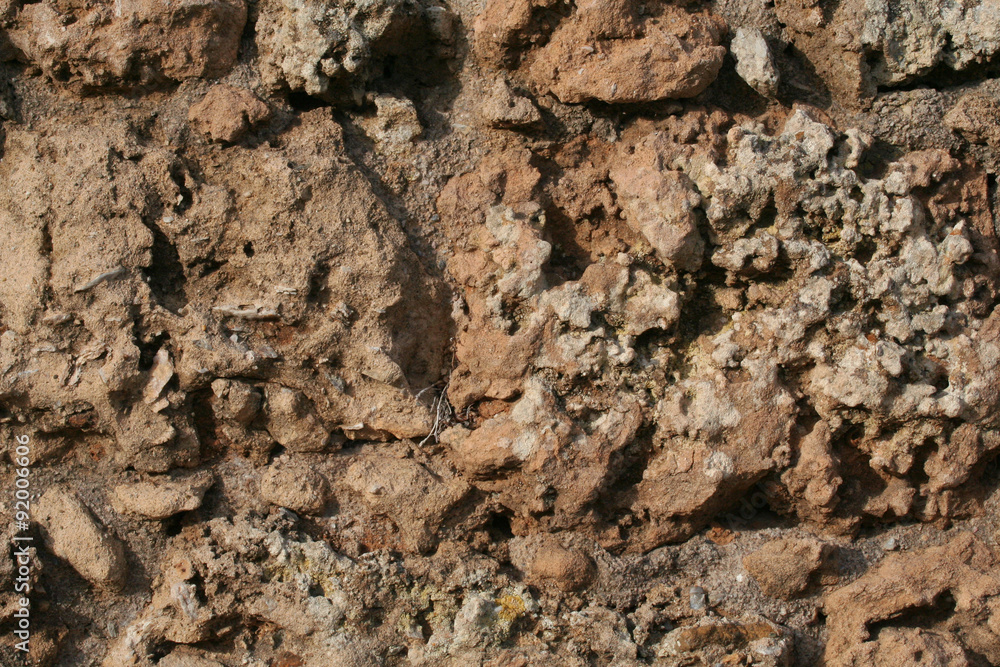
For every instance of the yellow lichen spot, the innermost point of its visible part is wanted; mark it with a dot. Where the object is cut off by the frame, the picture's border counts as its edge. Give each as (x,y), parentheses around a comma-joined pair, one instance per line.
(511,608)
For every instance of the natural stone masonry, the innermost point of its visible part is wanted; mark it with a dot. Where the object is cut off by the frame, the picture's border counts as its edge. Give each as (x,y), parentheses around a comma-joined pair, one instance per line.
(417,333)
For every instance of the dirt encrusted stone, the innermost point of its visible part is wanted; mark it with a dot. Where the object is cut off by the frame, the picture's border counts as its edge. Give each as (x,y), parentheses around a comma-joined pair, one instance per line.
(446,333)
(74,534)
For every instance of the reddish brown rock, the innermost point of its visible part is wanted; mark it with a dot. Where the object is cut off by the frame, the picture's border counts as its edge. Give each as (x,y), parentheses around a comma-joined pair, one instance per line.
(714,440)
(545,559)
(103,45)
(783,567)
(609,51)
(974,117)
(613,51)
(813,481)
(965,570)
(227,113)
(660,205)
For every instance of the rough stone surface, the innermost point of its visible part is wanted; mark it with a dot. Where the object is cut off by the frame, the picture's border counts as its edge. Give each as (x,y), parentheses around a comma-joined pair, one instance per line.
(963,570)
(294,485)
(506,109)
(502,333)
(109,45)
(610,51)
(782,568)
(227,113)
(754,62)
(327,51)
(547,560)
(863,45)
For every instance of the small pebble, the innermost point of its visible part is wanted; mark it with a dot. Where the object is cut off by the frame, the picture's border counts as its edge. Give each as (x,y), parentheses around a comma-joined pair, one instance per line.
(890,544)
(699,598)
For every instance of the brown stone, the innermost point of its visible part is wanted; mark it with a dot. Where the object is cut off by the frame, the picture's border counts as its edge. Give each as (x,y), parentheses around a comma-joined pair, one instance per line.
(295,486)
(782,568)
(227,113)
(119,44)
(74,534)
(546,560)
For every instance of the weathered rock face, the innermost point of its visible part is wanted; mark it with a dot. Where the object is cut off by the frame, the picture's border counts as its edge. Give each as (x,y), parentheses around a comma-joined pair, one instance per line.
(399,332)
(330,51)
(754,62)
(964,569)
(783,568)
(226,113)
(163,498)
(113,45)
(416,499)
(608,51)
(219,326)
(867,44)
(295,486)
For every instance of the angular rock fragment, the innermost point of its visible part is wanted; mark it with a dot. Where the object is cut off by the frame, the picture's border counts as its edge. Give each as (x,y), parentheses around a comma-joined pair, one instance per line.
(715,441)
(660,205)
(525,435)
(613,52)
(504,108)
(813,481)
(650,306)
(783,567)
(754,62)
(74,534)
(396,122)
(159,498)
(159,376)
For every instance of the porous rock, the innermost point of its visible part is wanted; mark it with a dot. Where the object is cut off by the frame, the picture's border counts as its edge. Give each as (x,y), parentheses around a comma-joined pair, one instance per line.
(866,44)
(329,52)
(964,569)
